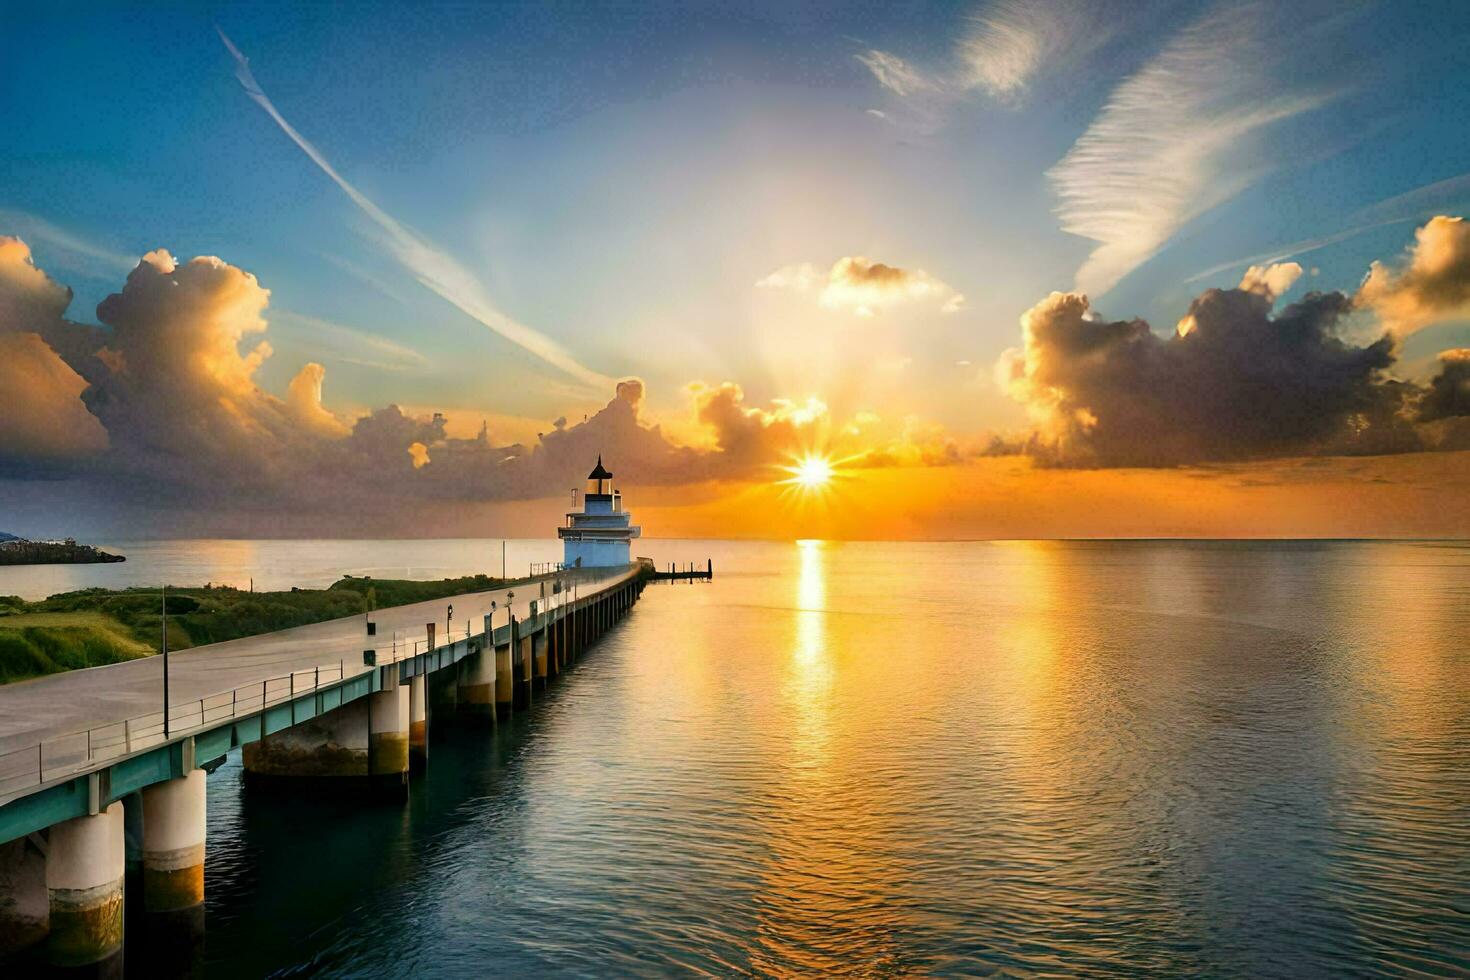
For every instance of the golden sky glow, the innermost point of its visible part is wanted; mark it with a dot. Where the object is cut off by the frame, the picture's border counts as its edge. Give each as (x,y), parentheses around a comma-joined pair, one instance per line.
(781,296)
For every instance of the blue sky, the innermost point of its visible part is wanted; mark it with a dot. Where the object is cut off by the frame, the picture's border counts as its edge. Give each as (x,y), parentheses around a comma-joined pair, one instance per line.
(618,179)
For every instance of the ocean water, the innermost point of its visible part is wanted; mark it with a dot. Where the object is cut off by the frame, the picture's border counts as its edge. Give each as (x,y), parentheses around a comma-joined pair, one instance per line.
(1113,758)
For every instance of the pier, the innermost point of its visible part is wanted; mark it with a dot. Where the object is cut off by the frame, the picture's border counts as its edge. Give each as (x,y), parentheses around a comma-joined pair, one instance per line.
(689,573)
(102,801)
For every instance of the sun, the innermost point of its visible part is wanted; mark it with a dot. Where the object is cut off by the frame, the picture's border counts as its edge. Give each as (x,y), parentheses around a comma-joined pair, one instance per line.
(810,472)
(813,472)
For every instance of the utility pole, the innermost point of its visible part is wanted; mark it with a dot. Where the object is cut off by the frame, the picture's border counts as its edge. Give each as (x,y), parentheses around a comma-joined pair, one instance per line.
(502,559)
(164,611)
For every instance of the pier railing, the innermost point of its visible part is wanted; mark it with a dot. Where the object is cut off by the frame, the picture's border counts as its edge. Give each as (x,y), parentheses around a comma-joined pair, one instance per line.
(75,752)
(63,756)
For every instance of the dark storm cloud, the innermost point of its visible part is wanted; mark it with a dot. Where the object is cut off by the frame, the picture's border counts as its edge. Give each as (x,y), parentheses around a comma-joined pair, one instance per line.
(1234,381)
(1449,390)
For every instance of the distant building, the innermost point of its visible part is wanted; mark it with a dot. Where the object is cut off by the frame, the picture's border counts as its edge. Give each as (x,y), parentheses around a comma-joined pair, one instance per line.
(601,533)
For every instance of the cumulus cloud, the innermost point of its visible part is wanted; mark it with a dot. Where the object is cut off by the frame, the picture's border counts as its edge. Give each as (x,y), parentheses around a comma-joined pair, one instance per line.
(1271,281)
(171,382)
(1448,395)
(749,435)
(1176,139)
(1240,383)
(304,402)
(44,420)
(1431,285)
(174,422)
(864,287)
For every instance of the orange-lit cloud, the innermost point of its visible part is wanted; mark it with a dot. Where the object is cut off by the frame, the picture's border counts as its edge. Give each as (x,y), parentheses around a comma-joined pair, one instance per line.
(1430,286)
(304,402)
(749,433)
(169,385)
(1271,281)
(43,419)
(859,285)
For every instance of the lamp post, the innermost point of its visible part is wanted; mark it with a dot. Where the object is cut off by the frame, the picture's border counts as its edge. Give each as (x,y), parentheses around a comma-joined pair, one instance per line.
(163,610)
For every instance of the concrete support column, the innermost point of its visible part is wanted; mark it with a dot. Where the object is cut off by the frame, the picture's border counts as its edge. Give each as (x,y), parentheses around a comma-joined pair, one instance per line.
(477,686)
(173,843)
(84,884)
(540,658)
(504,682)
(418,721)
(388,739)
(524,672)
(173,876)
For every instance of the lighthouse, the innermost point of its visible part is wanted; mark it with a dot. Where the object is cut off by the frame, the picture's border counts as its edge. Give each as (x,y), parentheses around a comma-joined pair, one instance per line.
(600,534)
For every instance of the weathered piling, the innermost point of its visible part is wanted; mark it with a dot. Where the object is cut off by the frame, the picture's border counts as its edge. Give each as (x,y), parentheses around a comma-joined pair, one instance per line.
(173,843)
(504,681)
(173,874)
(524,669)
(85,862)
(477,686)
(388,739)
(418,723)
(539,658)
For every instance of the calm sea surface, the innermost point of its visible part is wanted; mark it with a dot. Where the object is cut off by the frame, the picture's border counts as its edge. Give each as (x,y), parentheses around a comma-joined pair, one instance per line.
(1229,759)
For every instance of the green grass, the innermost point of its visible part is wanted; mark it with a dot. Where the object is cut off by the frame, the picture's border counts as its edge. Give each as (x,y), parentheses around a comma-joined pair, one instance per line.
(98,626)
(31,651)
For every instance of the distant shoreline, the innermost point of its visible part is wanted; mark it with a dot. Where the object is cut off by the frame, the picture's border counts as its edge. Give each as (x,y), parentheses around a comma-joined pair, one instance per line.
(19,551)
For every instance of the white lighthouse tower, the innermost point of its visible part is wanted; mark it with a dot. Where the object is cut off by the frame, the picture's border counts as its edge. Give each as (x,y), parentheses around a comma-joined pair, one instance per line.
(600,534)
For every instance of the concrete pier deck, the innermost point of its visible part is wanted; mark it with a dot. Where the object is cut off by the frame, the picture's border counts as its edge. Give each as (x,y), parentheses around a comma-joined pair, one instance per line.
(34,710)
(85,755)
(54,713)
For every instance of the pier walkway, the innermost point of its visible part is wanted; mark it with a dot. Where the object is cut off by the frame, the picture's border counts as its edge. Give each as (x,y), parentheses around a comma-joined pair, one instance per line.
(86,753)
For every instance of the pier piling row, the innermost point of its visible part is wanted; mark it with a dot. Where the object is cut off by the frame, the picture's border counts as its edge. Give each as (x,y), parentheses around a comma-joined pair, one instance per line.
(66,844)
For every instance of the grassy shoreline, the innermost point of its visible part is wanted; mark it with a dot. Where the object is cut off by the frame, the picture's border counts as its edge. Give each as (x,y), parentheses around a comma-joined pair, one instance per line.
(92,627)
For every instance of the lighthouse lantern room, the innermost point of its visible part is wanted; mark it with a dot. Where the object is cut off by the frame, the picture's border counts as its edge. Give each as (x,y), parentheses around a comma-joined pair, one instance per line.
(600,534)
